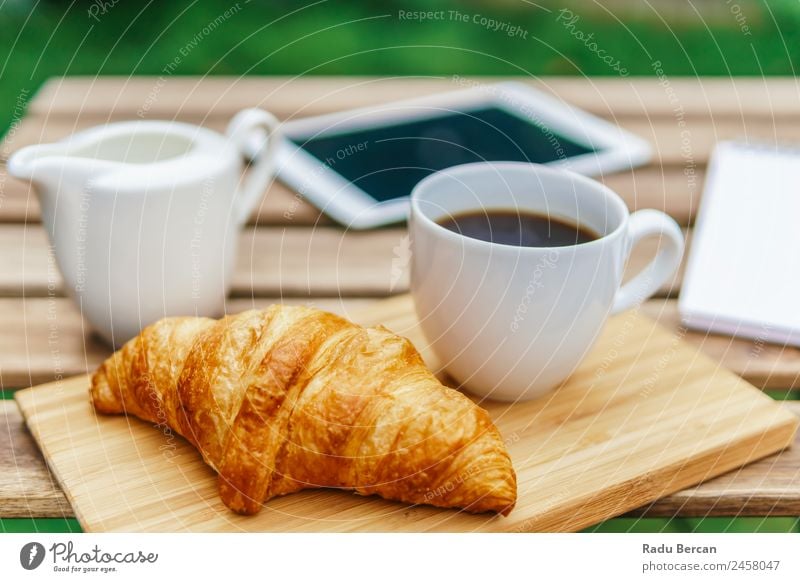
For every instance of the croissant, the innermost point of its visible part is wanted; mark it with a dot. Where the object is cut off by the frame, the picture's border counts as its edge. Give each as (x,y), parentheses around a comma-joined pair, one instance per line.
(291,398)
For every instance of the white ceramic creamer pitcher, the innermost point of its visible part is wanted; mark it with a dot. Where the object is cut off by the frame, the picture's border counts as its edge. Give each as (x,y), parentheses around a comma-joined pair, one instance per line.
(144,216)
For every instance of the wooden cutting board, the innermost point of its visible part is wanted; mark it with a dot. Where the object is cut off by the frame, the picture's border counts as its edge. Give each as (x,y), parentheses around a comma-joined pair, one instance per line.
(644,416)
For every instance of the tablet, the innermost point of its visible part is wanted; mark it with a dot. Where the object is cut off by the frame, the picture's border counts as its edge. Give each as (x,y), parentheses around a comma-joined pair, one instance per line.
(359,166)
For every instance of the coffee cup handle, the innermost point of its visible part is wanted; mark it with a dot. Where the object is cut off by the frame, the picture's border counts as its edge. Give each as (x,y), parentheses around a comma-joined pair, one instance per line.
(643,224)
(248,131)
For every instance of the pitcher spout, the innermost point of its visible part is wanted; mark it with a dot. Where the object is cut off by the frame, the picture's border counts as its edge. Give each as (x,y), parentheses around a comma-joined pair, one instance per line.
(50,167)
(24,163)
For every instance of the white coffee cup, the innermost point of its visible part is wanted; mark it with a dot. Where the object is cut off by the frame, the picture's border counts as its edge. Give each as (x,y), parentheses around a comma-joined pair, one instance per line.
(510,322)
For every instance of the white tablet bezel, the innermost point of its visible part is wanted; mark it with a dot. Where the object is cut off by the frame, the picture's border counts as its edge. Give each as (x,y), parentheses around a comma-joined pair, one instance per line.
(616,149)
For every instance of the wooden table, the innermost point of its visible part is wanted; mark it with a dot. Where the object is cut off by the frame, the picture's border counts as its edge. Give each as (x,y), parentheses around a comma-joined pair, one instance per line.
(291,253)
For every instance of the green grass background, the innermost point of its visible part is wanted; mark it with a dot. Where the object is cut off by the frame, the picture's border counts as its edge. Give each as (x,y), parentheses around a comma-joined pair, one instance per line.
(45,38)
(39,39)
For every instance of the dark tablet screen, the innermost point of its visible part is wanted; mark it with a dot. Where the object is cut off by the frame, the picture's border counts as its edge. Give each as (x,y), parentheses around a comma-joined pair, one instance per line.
(387,161)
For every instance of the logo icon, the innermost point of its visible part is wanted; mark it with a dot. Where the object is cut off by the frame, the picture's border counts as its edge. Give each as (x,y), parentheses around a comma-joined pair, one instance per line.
(401,258)
(31,555)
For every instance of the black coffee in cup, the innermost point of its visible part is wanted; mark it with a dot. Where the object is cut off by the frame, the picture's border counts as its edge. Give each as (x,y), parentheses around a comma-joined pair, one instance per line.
(518,228)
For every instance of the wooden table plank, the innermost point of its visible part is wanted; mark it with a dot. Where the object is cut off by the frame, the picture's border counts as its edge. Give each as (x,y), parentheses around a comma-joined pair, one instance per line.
(673,143)
(770,487)
(280,205)
(51,339)
(324,261)
(166,97)
(271,261)
(672,184)
(27,489)
(670,190)
(675,191)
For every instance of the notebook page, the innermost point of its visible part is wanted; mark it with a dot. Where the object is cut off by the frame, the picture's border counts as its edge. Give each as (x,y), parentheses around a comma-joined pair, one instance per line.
(743,275)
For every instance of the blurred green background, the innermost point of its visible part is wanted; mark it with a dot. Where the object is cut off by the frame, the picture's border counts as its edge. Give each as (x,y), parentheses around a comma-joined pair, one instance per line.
(43,38)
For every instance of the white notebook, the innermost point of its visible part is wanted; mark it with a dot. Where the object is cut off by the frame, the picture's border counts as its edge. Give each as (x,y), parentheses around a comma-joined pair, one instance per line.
(743,274)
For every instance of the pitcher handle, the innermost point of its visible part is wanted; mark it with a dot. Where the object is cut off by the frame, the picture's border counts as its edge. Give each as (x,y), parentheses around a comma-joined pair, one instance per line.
(242,130)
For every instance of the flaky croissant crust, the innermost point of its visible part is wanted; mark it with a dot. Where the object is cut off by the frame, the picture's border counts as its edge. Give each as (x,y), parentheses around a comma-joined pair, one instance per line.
(289,398)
